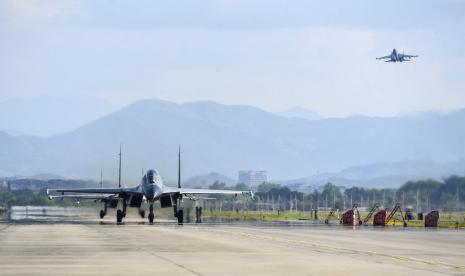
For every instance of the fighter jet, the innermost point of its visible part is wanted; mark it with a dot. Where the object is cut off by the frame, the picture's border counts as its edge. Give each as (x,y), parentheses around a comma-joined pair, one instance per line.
(397,57)
(150,190)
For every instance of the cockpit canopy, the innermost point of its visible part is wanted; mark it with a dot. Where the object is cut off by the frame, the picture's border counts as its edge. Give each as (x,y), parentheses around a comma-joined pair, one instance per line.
(152,176)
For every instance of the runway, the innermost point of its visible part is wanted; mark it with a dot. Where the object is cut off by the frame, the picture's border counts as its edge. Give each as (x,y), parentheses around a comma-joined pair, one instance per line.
(88,248)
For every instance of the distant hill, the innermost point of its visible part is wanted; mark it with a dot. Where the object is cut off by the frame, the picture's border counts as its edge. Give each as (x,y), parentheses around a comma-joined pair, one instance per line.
(206,180)
(225,139)
(45,176)
(301,112)
(382,174)
(46,116)
(42,184)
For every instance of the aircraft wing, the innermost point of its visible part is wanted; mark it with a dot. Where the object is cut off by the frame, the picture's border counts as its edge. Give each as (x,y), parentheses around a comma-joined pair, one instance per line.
(95,190)
(189,191)
(210,191)
(199,198)
(385,57)
(80,197)
(410,56)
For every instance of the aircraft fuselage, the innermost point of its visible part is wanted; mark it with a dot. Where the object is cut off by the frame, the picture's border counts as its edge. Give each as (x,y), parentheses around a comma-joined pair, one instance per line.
(396,57)
(152,186)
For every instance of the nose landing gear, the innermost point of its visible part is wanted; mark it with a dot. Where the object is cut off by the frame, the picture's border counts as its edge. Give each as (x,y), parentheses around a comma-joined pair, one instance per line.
(151,215)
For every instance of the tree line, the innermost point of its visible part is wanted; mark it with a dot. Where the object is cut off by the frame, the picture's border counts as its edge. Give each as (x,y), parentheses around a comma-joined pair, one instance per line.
(422,196)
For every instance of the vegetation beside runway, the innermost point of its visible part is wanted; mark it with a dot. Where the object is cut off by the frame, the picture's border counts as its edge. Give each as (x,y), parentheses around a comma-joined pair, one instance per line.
(28,197)
(275,202)
(448,220)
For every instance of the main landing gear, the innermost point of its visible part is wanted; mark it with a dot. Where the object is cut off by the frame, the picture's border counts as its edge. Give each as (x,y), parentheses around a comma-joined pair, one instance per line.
(179,214)
(120,214)
(104,211)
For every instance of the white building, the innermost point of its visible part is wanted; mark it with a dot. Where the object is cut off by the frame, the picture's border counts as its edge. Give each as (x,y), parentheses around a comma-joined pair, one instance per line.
(252,178)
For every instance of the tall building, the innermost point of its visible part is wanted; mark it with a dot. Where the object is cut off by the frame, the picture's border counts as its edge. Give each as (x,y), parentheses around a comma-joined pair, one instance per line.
(252,178)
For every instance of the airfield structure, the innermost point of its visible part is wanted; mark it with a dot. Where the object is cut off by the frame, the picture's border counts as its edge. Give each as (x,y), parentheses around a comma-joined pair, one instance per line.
(351,217)
(370,213)
(331,214)
(380,218)
(432,219)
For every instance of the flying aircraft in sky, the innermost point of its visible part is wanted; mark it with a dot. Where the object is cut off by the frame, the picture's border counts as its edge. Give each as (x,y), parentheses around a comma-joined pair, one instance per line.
(397,57)
(151,189)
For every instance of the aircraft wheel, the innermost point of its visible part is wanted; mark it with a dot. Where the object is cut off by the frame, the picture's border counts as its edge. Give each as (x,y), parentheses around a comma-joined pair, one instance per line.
(142,213)
(102,214)
(151,217)
(180,216)
(119,216)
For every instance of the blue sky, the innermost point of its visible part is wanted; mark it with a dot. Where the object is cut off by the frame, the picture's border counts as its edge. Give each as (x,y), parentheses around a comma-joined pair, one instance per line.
(271,54)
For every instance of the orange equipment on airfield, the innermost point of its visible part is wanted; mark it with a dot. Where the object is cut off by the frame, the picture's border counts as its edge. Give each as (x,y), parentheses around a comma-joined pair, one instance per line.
(351,217)
(348,218)
(432,218)
(380,218)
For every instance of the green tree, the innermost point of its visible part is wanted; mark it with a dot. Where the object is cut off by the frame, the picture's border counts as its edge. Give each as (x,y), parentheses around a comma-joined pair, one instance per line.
(265,187)
(218,186)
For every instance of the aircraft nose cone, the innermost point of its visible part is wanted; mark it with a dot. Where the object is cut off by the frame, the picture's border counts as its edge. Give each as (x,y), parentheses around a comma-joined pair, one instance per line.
(149,192)
(157,192)
(152,192)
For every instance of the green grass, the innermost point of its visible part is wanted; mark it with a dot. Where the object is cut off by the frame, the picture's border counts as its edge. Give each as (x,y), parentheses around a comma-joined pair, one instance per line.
(256,215)
(447,220)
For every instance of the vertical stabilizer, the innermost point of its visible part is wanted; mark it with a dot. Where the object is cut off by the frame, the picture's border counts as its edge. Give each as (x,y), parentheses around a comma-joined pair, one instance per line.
(119,170)
(179,167)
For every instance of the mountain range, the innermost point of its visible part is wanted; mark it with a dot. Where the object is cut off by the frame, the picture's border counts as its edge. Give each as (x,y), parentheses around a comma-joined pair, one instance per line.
(205,180)
(301,112)
(382,174)
(227,138)
(47,115)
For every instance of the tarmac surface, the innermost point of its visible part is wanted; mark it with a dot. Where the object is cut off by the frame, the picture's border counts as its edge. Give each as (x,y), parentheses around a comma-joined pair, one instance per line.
(89,247)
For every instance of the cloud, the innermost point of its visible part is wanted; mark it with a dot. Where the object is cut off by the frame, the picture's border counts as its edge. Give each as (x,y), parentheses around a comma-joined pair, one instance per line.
(23,12)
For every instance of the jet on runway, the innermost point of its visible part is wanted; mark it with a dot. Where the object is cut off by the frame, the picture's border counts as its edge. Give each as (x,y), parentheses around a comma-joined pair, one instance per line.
(397,57)
(151,189)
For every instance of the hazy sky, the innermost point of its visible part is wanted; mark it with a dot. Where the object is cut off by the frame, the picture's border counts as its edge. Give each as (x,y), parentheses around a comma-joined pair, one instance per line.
(268,53)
